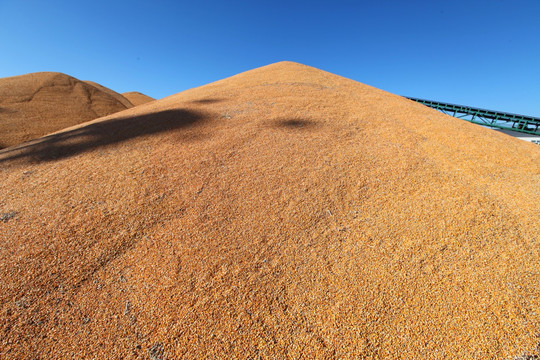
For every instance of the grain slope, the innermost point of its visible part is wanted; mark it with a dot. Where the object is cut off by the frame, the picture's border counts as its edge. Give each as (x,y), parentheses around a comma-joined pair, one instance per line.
(284,212)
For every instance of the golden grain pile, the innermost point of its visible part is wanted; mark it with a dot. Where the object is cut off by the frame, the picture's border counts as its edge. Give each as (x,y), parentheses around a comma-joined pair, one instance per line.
(37,104)
(284,212)
(119,97)
(136,98)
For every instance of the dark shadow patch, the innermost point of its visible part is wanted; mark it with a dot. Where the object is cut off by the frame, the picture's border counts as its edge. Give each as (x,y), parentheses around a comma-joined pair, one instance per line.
(207,101)
(7,111)
(101,134)
(5,217)
(157,352)
(295,123)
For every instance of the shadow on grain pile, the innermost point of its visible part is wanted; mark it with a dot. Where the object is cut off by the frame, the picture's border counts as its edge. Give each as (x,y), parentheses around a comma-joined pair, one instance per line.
(6,111)
(295,123)
(207,101)
(104,133)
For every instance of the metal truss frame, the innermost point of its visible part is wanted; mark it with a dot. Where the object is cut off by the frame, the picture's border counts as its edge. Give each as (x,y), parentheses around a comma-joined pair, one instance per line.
(495,119)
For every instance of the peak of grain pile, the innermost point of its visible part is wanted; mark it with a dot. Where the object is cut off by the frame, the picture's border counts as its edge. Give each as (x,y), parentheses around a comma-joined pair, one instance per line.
(37,104)
(284,212)
(137,98)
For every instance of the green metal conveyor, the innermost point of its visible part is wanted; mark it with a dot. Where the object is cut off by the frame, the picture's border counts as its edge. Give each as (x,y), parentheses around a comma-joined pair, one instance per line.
(495,119)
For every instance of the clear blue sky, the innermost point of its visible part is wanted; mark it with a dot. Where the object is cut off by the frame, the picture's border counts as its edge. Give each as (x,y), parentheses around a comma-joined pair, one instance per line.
(483,53)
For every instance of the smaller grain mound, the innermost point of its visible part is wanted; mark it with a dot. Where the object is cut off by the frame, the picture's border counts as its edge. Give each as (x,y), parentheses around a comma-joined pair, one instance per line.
(137,98)
(37,104)
(113,93)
